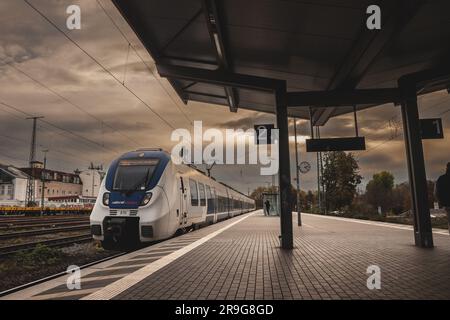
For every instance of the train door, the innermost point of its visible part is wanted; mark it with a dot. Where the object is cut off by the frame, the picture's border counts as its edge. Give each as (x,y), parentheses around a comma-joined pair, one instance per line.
(216,204)
(228,204)
(183,212)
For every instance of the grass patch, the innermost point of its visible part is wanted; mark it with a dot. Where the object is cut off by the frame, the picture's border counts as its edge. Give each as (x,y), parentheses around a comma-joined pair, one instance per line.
(40,257)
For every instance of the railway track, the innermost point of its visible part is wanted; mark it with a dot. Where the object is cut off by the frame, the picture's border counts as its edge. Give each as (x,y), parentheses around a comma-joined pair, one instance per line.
(61,216)
(54,243)
(21,234)
(57,275)
(41,225)
(10,223)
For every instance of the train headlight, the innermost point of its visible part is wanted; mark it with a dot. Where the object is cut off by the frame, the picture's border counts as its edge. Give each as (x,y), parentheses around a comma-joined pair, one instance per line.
(106,199)
(146,199)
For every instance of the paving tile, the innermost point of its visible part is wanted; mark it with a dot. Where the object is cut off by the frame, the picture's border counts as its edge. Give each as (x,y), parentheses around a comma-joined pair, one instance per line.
(329,261)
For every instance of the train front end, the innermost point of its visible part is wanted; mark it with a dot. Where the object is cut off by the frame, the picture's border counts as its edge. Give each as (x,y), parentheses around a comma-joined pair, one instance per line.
(131,206)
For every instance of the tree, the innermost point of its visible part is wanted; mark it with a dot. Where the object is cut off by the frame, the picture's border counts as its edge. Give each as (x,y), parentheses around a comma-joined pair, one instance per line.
(340,179)
(257,194)
(401,197)
(379,190)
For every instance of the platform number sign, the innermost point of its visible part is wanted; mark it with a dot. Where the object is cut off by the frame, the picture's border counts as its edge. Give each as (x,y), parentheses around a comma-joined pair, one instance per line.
(431,128)
(263,133)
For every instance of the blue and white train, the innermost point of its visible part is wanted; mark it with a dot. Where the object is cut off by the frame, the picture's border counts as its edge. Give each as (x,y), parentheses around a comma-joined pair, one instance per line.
(146,197)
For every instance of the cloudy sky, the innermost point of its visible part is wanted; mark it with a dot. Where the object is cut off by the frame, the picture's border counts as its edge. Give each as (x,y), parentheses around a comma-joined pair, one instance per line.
(90,117)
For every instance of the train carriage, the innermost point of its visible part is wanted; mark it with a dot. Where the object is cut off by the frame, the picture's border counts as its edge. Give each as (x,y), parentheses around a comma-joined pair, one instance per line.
(146,197)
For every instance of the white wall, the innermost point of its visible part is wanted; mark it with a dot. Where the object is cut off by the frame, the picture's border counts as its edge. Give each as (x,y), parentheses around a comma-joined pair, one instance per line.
(91,180)
(20,189)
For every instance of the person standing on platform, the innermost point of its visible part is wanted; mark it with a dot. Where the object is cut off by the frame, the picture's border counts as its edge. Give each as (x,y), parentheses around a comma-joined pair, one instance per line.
(267,204)
(442,192)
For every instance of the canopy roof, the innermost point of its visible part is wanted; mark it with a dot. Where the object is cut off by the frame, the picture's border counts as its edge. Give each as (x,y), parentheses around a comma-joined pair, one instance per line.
(314,45)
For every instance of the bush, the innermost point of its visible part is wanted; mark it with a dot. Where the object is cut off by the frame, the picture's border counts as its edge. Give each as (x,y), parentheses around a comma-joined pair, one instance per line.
(361,210)
(40,256)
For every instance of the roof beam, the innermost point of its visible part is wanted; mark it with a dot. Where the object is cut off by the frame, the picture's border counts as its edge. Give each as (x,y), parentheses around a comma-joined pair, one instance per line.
(219,77)
(181,30)
(341,98)
(431,79)
(216,33)
(368,46)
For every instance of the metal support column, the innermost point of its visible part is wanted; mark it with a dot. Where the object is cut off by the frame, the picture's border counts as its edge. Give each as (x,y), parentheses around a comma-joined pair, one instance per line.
(299,216)
(319,171)
(284,168)
(416,166)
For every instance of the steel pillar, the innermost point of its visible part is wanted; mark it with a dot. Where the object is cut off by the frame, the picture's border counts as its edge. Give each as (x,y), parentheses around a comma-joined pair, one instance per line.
(297,173)
(423,235)
(284,168)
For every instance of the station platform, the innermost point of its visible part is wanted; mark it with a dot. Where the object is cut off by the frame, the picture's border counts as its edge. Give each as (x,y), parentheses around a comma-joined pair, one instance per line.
(240,258)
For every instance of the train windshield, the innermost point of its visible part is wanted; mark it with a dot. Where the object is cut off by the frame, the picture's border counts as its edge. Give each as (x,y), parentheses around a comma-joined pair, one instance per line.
(134,174)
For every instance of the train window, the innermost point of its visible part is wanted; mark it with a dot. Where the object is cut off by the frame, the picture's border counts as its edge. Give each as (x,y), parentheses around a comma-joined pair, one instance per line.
(210,200)
(201,188)
(194,192)
(215,200)
(208,191)
(222,204)
(134,174)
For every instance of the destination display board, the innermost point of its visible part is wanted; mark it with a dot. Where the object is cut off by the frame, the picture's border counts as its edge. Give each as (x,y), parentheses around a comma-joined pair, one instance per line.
(335,144)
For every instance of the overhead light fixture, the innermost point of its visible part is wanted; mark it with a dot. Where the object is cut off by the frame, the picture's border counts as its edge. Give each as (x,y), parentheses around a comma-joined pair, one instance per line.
(217,43)
(230,101)
(229,92)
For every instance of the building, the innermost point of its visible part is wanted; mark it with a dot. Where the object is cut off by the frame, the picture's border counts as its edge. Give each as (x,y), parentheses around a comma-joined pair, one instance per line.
(91,180)
(61,188)
(57,183)
(13,185)
(71,201)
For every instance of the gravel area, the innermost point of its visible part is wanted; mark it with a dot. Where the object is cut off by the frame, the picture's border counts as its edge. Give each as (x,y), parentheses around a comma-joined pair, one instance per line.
(41,262)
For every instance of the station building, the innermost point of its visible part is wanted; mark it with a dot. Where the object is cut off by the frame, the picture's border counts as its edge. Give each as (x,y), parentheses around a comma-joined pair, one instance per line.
(13,185)
(61,188)
(57,183)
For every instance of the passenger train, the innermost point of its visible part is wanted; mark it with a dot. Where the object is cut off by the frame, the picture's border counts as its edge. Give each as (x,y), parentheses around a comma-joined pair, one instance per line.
(146,197)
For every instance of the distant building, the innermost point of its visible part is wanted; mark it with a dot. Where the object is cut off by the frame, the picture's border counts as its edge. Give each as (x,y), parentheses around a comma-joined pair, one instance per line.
(71,201)
(57,183)
(80,187)
(13,185)
(91,180)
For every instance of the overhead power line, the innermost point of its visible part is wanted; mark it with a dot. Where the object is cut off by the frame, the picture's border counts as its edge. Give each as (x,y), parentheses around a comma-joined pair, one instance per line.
(40,83)
(66,153)
(51,130)
(98,63)
(60,128)
(40,126)
(130,45)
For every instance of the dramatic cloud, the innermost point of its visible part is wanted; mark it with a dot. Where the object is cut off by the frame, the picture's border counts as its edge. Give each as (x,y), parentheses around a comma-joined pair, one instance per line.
(101,119)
